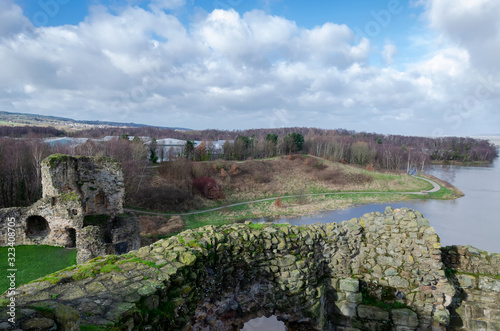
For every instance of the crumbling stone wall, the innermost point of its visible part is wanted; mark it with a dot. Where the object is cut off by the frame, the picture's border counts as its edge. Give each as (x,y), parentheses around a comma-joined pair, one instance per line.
(378,272)
(476,276)
(78,192)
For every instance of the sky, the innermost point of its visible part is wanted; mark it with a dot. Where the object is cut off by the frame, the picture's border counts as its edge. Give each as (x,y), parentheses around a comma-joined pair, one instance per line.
(413,67)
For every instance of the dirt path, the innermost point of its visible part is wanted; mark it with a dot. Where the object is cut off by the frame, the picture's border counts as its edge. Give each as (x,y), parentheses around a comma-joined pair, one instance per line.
(435,188)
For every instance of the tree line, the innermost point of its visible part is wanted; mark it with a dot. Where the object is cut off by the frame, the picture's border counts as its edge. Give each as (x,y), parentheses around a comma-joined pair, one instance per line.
(20,178)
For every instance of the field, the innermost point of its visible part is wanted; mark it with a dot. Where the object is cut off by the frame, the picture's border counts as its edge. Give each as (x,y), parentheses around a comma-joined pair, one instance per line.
(33,262)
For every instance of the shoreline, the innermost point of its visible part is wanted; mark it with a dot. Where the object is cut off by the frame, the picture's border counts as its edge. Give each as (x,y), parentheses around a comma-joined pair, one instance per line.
(298,206)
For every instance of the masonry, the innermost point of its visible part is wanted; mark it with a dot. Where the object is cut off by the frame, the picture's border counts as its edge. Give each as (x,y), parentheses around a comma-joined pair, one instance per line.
(383,271)
(81,207)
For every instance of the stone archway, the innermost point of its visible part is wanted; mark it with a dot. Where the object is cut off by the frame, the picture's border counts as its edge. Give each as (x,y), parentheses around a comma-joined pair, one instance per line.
(37,226)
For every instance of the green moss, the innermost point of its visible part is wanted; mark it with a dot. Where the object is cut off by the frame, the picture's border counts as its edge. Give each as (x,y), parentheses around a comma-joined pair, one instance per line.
(83,274)
(194,243)
(110,267)
(52,159)
(135,259)
(372,301)
(450,272)
(50,278)
(72,196)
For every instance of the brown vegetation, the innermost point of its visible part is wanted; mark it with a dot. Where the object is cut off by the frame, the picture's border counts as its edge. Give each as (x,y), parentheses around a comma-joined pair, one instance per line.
(209,188)
(278,203)
(153,227)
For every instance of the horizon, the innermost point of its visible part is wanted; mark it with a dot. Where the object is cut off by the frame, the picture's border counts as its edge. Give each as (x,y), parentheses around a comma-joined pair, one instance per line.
(413,68)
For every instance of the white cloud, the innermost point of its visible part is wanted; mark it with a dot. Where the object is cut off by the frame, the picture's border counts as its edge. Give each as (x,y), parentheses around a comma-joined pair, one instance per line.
(473,25)
(388,53)
(12,20)
(227,70)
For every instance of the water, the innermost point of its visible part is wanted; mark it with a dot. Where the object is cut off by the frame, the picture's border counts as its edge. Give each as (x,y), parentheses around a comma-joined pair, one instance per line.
(264,324)
(471,220)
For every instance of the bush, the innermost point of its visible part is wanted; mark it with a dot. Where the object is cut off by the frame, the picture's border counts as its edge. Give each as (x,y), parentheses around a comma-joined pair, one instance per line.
(209,188)
(278,203)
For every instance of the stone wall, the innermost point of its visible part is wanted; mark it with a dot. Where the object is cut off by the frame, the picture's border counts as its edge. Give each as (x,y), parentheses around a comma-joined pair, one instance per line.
(378,272)
(77,192)
(475,274)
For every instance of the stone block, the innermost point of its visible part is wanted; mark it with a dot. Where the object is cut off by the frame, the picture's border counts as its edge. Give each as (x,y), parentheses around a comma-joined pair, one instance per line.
(466,281)
(354,297)
(398,282)
(349,285)
(489,284)
(478,325)
(372,313)
(286,260)
(347,309)
(404,317)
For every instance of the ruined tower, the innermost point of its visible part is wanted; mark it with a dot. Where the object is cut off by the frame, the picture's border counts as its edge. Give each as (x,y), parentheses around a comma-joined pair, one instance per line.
(81,206)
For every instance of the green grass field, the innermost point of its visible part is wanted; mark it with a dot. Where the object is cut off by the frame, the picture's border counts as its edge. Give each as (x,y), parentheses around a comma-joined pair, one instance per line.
(33,262)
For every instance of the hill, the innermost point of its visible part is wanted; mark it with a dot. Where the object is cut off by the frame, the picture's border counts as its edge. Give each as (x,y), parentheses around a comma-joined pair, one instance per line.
(20,119)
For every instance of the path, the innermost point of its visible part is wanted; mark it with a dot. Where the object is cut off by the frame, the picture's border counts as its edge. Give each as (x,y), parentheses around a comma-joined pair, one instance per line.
(435,188)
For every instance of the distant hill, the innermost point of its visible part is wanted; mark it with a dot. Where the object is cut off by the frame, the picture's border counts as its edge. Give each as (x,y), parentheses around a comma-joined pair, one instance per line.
(20,119)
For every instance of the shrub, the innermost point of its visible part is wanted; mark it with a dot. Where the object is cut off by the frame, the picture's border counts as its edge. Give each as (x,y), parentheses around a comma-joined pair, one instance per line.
(278,203)
(209,188)
(234,170)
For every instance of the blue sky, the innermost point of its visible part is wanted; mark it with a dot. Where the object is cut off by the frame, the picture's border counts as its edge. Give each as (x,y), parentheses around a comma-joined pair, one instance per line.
(425,67)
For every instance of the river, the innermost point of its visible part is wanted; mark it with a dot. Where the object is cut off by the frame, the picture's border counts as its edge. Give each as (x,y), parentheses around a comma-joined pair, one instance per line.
(471,220)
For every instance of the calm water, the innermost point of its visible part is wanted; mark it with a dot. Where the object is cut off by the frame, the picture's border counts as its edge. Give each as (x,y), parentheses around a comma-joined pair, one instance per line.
(264,324)
(471,220)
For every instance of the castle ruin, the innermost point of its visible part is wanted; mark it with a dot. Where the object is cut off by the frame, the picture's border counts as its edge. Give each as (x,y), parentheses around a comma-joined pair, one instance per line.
(81,207)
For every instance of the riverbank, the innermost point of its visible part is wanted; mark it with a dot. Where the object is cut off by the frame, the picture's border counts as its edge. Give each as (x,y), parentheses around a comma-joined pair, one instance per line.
(295,206)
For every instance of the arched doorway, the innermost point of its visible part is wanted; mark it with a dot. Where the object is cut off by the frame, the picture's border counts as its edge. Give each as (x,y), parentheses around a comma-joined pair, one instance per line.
(71,238)
(37,226)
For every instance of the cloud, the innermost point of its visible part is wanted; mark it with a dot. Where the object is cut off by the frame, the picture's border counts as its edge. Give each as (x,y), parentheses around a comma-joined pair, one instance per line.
(388,53)
(473,25)
(233,71)
(12,20)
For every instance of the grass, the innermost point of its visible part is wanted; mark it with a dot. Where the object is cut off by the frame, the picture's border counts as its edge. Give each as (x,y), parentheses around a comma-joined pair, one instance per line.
(33,262)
